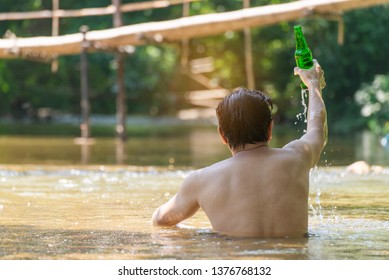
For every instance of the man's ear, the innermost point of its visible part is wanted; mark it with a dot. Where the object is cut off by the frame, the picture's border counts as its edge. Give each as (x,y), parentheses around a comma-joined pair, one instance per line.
(222,135)
(270,131)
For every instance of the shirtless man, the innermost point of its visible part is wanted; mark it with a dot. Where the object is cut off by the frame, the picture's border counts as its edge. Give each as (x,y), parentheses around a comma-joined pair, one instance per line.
(259,191)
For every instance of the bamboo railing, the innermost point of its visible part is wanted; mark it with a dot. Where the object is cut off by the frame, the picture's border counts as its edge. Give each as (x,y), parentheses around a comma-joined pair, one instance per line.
(177,29)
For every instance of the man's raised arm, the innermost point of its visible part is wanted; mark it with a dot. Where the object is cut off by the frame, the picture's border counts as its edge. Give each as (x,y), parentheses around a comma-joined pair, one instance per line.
(314,140)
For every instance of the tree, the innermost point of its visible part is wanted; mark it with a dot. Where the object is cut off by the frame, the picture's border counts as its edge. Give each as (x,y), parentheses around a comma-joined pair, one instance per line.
(374,101)
(156,85)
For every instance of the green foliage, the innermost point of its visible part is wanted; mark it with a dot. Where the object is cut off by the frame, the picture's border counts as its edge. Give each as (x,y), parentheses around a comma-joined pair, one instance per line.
(154,81)
(363,55)
(374,101)
(149,81)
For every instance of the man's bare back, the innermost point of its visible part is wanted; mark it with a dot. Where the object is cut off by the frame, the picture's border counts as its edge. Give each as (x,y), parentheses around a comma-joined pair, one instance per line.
(259,191)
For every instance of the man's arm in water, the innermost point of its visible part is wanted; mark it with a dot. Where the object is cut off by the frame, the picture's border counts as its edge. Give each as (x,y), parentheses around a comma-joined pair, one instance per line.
(180,207)
(314,140)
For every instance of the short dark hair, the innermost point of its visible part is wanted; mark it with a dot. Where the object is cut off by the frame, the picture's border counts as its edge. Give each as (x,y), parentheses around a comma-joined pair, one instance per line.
(244,117)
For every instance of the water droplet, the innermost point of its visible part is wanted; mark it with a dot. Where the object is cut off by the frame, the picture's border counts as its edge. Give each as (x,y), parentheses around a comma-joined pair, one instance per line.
(303,115)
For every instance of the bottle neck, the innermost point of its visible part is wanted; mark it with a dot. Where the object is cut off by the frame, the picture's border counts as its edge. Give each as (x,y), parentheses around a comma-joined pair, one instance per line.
(300,41)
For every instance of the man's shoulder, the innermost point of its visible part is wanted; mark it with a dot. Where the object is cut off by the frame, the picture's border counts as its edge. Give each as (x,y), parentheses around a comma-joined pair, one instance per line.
(209,171)
(220,166)
(297,146)
(300,150)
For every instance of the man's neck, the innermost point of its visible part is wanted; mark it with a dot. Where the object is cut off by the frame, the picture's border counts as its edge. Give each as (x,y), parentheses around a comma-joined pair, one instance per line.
(249,148)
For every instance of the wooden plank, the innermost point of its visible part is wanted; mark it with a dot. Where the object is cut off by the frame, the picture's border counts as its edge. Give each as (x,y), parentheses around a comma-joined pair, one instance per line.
(185,42)
(248,53)
(202,65)
(55,32)
(85,105)
(206,94)
(109,10)
(178,29)
(121,131)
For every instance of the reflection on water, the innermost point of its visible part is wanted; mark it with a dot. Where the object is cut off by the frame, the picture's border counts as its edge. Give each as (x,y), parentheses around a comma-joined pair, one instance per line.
(59,200)
(99,212)
(197,148)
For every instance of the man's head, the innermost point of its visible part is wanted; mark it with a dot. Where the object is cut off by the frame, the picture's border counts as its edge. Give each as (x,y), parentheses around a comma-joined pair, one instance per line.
(244,117)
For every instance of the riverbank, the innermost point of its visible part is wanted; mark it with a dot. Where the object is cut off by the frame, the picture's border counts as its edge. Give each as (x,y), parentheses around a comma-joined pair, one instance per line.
(104,126)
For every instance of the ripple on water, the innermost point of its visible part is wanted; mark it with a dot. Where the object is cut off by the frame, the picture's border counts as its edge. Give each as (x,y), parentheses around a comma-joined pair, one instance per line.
(348,217)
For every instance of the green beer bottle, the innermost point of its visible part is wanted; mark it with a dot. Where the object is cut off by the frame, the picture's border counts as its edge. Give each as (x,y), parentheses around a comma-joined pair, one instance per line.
(303,54)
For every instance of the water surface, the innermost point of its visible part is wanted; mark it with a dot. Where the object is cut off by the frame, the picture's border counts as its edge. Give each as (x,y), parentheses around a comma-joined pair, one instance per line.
(197,148)
(59,200)
(98,212)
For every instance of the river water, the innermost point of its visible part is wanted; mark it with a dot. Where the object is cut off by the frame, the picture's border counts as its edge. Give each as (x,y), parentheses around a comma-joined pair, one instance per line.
(197,148)
(59,200)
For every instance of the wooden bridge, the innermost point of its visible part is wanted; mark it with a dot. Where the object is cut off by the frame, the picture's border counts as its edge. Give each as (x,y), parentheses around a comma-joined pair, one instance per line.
(122,39)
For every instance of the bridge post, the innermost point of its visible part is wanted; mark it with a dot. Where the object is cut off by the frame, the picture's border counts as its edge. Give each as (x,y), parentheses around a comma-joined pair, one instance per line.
(85,107)
(120,71)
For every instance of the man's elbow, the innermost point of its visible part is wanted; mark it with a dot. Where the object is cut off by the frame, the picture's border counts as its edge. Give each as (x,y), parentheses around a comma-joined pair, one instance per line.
(155,219)
(159,221)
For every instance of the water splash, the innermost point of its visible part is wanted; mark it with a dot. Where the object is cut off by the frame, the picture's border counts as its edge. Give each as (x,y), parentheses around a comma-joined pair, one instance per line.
(315,176)
(315,206)
(303,116)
